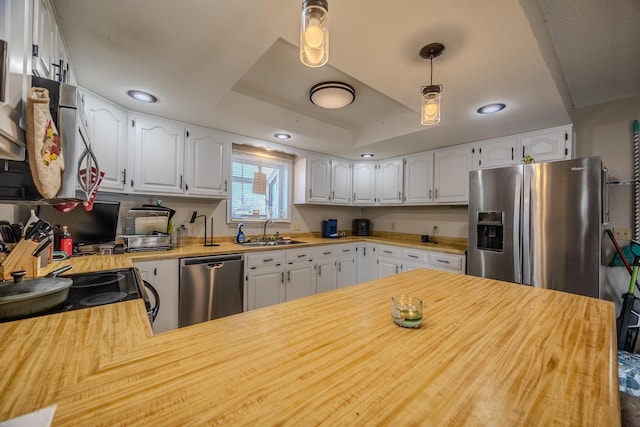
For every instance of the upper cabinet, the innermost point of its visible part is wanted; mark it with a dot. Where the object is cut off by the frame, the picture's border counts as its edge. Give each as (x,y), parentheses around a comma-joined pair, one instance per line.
(321,179)
(107,128)
(206,163)
(364,183)
(341,181)
(451,178)
(418,178)
(547,145)
(543,146)
(389,182)
(158,155)
(49,53)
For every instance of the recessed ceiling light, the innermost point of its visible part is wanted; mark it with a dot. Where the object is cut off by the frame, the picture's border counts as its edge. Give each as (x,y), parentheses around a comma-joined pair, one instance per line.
(141,96)
(491,108)
(332,95)
(282,135)
(366,155)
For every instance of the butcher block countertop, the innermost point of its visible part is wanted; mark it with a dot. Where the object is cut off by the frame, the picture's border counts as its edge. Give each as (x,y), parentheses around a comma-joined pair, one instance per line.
(195,247)
(487,353)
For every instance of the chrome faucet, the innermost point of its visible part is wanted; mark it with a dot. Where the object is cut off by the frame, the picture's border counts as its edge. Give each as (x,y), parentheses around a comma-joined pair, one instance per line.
(264,229)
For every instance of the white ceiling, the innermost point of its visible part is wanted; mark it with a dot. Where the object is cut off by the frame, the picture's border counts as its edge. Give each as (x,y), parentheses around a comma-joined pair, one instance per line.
(233,65)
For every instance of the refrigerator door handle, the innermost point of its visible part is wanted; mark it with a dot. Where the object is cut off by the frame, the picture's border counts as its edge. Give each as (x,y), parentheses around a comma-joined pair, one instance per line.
(516,229)
(605,196)
(526,231)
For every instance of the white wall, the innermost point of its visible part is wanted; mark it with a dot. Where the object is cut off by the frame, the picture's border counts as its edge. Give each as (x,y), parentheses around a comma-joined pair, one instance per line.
(452,221)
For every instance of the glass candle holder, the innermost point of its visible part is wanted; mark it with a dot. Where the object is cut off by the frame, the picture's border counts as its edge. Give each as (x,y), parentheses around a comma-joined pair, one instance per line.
(406,311)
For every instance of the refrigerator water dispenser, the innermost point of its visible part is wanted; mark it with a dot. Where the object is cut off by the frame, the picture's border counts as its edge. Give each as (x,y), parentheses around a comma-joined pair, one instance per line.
(490,231)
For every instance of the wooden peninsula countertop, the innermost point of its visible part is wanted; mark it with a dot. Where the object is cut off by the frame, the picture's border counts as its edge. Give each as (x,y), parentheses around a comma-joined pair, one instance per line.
(488,353)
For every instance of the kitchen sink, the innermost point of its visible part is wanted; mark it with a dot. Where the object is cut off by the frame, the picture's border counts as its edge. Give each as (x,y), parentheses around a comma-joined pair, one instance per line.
(274,243)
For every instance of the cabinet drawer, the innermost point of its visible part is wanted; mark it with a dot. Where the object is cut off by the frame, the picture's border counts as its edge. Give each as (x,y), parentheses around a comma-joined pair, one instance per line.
(327,251)
(415,256)
(265,258)
(345,250)
(388,251)
(300,255)
(445,261)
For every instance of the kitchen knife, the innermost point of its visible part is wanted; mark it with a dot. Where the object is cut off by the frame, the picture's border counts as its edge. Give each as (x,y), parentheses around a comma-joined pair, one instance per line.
(41,247)
(34,229)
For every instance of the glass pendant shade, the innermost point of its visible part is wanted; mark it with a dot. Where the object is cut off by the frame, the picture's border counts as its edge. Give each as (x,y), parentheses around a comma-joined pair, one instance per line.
(430,106)
(314,33)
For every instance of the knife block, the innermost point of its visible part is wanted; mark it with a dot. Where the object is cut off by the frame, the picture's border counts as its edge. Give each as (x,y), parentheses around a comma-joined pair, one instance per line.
(20,258)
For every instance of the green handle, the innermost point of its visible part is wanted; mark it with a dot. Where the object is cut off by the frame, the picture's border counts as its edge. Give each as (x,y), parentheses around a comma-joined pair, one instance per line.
(634,276)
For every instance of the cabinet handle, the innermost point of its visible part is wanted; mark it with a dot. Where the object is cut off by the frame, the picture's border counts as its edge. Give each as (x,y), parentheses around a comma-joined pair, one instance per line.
(387,252)
(523,151)
(430,193)
(124,176)
(289,276)
(412,256)
(267,260)
(339,267)
(333,195)
(131,183)
(436,193)
(399,195)
(181,181)
(354,196)
(302,256)
(512,153)
(3,68)
(327,253)
(319,271)
(364,251)
(186,187)
(282,277)
(346,250)
(310,193)
(443,261)
(155,271)
(396,269)
(225,185)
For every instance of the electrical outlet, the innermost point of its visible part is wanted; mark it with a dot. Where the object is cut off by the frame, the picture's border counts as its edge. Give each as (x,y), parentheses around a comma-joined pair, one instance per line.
(622,233)
(296,226)
(435,230)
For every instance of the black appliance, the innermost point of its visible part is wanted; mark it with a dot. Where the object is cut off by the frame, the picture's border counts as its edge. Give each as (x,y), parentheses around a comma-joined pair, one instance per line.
(106,287)
(361,227)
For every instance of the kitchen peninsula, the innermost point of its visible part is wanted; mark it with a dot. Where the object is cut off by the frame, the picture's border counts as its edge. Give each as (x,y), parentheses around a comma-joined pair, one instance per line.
(488,353)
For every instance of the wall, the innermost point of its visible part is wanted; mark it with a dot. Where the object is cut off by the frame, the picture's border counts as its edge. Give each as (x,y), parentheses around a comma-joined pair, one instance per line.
(452,221)
(605,130)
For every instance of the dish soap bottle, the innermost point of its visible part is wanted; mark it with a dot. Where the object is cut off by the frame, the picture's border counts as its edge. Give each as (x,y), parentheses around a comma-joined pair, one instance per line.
(240,236)
(66,241)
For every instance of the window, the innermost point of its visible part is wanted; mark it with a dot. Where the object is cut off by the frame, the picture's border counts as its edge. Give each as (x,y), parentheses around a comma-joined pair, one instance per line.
(260,185)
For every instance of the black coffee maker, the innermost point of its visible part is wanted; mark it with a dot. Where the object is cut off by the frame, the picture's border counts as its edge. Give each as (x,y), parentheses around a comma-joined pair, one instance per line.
(361,227)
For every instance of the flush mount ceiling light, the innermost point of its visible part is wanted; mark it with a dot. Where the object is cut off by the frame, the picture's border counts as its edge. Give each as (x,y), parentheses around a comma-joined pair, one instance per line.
(491,108)
(366,155)
(282,135)
(430,113)
(141,96)
(314,33)
(332,95)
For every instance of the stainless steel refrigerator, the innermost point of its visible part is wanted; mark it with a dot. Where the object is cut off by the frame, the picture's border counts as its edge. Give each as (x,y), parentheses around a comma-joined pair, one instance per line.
(539,224)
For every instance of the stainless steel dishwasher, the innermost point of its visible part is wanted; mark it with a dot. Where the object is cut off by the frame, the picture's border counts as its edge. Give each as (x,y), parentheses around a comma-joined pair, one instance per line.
(210,287)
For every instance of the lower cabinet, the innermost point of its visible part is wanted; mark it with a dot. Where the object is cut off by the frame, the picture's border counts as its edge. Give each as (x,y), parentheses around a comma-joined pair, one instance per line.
(264,275)
(163,275)
(346,267)
(388,260)
(326,269)
(364,262)
(300,271)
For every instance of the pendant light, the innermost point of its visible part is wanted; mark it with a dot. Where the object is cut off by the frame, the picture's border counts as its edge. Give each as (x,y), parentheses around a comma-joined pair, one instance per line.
(314,33)
(430,113)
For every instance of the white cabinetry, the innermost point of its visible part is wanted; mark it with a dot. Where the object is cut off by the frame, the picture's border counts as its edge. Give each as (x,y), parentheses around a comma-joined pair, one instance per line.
(452,263)
(207,162)
(107,127)
(364,183)
(346,274)
(50,58)
(389,182)
(158,155)
(300,271)
(495,153)
(14,19)
(548,144)
(414,258)
(340,182)
(418,178)
(326,269)
(163,276)
(451,179)
(364,262)
(388,260)
(264,274)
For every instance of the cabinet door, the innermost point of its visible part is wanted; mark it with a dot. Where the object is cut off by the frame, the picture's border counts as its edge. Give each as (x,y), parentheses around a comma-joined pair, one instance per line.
(451,180)
(319,179)
(364,254)
(44,33)
(387,267)
(389,182)
(265,287)
(325,275)
(341,178)
(346,274)
(107,127)
(158,156)
(163,276)
(543,146)
(494,153)
(207,163)
(418,178)
(300,280)
(364,183)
